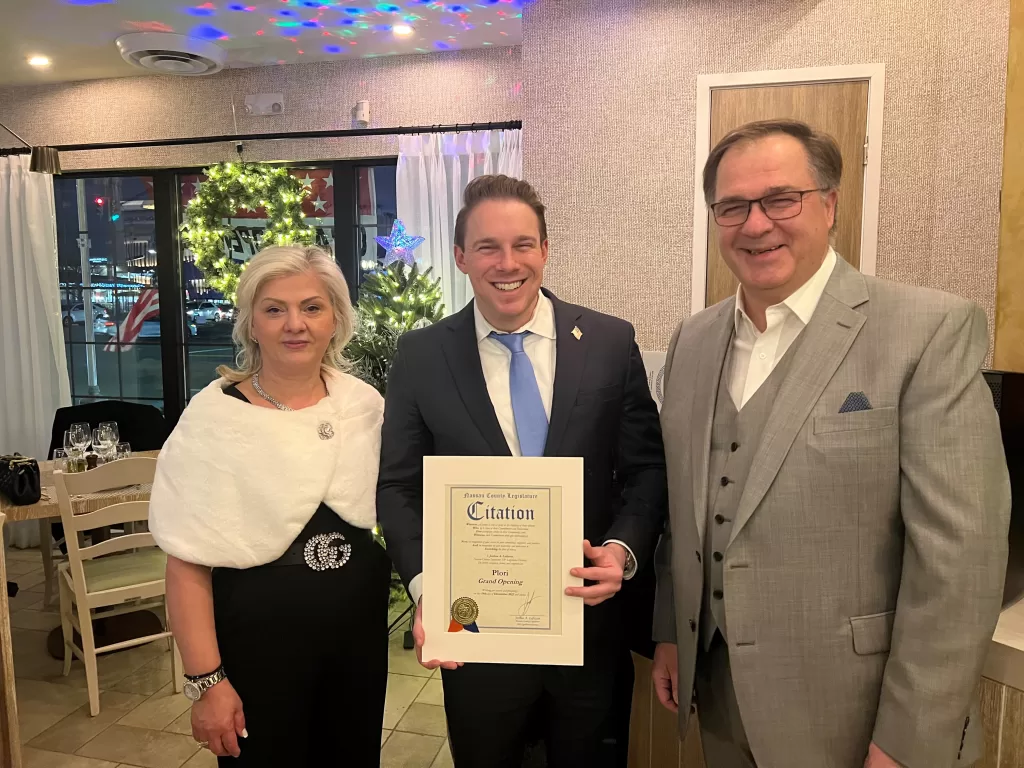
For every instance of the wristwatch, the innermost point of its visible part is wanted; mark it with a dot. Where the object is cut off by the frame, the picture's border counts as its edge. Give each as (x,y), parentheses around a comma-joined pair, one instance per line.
(630,569)
(196,686)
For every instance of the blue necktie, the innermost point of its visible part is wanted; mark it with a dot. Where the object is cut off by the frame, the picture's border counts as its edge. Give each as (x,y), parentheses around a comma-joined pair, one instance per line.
(527,406)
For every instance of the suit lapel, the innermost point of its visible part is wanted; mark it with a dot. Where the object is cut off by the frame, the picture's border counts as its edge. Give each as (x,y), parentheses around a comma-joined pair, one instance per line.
(710,362)
(823,346)
(463,355)
(570,358)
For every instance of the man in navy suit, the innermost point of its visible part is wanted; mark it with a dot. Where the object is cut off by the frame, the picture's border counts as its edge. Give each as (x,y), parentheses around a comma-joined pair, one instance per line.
(519,372)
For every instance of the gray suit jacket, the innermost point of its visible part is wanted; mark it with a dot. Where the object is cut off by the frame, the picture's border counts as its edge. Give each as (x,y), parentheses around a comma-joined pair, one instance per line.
(864,573)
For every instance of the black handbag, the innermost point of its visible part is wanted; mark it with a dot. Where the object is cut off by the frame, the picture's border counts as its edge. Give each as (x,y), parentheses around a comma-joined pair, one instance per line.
(19,479)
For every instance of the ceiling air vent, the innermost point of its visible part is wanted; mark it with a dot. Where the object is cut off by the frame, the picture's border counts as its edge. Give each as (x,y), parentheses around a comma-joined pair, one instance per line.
(171,54)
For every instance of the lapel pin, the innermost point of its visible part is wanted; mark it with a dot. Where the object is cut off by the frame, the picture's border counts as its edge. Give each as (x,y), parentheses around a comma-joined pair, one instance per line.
(577,333)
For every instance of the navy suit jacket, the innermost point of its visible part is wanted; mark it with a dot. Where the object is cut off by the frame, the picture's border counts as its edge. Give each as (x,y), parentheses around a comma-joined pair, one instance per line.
(437,405)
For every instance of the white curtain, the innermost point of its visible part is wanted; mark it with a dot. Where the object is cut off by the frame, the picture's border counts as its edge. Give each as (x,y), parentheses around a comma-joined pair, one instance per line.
(33,367)
(433,171)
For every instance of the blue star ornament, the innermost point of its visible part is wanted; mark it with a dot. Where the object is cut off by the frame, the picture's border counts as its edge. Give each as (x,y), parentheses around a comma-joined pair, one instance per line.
(399,245)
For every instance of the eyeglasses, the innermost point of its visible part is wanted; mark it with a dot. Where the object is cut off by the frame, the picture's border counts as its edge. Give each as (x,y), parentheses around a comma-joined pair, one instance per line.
(777,207)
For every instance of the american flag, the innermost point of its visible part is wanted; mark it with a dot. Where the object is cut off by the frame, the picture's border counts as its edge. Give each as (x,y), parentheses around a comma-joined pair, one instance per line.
(147,306)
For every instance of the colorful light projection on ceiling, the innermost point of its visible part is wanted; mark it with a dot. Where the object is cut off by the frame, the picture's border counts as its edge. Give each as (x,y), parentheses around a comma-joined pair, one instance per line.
(208,32)
(364,29)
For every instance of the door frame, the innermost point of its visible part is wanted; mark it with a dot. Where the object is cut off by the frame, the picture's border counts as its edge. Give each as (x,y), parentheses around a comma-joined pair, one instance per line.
(874,74)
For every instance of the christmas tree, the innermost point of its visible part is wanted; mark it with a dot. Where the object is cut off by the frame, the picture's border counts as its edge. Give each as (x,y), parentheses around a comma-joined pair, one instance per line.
(392,300)
(402,296)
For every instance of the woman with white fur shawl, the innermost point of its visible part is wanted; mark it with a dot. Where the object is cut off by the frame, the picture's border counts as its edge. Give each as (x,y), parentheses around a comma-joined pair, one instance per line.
(264,501)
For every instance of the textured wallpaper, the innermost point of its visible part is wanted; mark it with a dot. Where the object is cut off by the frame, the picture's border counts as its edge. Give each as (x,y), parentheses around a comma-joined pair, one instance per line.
(460,87)
(607,91)
(610,94)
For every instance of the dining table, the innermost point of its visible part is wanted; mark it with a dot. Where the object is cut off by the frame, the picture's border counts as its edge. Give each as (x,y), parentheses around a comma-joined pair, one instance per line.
(45,511)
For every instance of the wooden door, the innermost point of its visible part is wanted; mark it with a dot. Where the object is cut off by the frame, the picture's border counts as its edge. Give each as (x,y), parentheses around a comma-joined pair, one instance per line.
(839,109)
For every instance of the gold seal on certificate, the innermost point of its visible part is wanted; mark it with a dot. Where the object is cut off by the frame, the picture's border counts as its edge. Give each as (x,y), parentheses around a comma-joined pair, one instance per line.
(465,611)
(500,535)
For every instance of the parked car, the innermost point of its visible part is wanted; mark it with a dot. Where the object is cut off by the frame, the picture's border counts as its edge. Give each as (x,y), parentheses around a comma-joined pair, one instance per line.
(210,311)
(202,312)
(151,329)
(76,313)
(103,326)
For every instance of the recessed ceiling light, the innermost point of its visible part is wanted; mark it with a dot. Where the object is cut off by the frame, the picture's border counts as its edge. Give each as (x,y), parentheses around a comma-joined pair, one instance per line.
(39,61)
(402,30)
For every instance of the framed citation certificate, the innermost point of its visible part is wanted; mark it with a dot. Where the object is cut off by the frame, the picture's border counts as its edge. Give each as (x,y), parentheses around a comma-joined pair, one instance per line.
(499,537)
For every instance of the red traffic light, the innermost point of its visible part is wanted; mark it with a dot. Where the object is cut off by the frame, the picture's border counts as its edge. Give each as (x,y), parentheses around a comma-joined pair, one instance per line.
(99,201)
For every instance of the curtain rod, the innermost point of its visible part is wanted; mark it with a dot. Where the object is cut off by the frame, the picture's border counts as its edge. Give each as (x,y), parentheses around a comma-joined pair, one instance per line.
(328,134)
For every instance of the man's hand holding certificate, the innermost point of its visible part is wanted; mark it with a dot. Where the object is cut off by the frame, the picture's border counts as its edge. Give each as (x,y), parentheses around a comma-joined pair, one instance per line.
(608,563)
(418,636)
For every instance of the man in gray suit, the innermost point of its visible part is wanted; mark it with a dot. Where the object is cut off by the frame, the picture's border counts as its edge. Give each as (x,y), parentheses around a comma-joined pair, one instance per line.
(839,500)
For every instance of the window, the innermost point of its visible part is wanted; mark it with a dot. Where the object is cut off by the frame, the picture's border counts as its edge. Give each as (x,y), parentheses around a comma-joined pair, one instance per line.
(376,201)
(113,231)
(109,299)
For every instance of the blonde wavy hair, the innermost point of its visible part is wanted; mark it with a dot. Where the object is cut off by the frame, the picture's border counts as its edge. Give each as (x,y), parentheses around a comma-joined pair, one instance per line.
(285,261)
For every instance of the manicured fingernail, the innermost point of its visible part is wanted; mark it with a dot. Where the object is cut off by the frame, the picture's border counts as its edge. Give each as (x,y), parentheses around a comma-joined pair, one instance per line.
(245,734)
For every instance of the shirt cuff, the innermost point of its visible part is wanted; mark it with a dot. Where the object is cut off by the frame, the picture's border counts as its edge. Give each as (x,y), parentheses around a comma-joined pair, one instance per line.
(416,588)
(630,570)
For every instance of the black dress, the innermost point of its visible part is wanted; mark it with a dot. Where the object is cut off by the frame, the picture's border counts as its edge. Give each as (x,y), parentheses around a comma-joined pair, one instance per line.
(303,641)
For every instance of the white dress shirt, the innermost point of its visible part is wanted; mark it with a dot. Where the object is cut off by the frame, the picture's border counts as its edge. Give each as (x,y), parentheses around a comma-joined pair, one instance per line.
(496,361)
(755,354)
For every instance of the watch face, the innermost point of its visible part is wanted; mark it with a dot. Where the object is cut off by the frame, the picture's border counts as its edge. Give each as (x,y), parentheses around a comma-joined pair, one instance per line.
(192,691)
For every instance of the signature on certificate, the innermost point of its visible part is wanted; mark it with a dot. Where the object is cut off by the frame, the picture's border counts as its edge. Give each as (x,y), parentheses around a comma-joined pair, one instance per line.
(524,609)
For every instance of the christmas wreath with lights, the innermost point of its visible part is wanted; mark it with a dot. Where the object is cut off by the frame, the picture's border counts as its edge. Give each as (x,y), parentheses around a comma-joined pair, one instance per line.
(270,191)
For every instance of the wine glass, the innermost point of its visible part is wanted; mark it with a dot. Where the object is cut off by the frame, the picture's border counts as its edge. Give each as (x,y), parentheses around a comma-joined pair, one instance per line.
(103,449)
(81,435)
(108,433)
(72,455)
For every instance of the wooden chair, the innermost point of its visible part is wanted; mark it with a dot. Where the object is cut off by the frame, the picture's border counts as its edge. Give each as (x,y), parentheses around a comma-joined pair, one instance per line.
(120,575)
(144,426)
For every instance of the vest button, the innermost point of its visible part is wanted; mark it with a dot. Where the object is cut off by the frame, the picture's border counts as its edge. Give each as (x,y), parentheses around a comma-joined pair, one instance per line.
(725,481)
(718,594)
(734,447)
(719,519)
(717,556)
(698,557)
(693,625)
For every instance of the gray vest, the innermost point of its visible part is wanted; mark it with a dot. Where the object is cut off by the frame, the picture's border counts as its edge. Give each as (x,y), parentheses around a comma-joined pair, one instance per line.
(735,437)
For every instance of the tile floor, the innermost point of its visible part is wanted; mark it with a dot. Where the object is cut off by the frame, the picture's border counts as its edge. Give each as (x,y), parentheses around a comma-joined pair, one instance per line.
(143,723)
